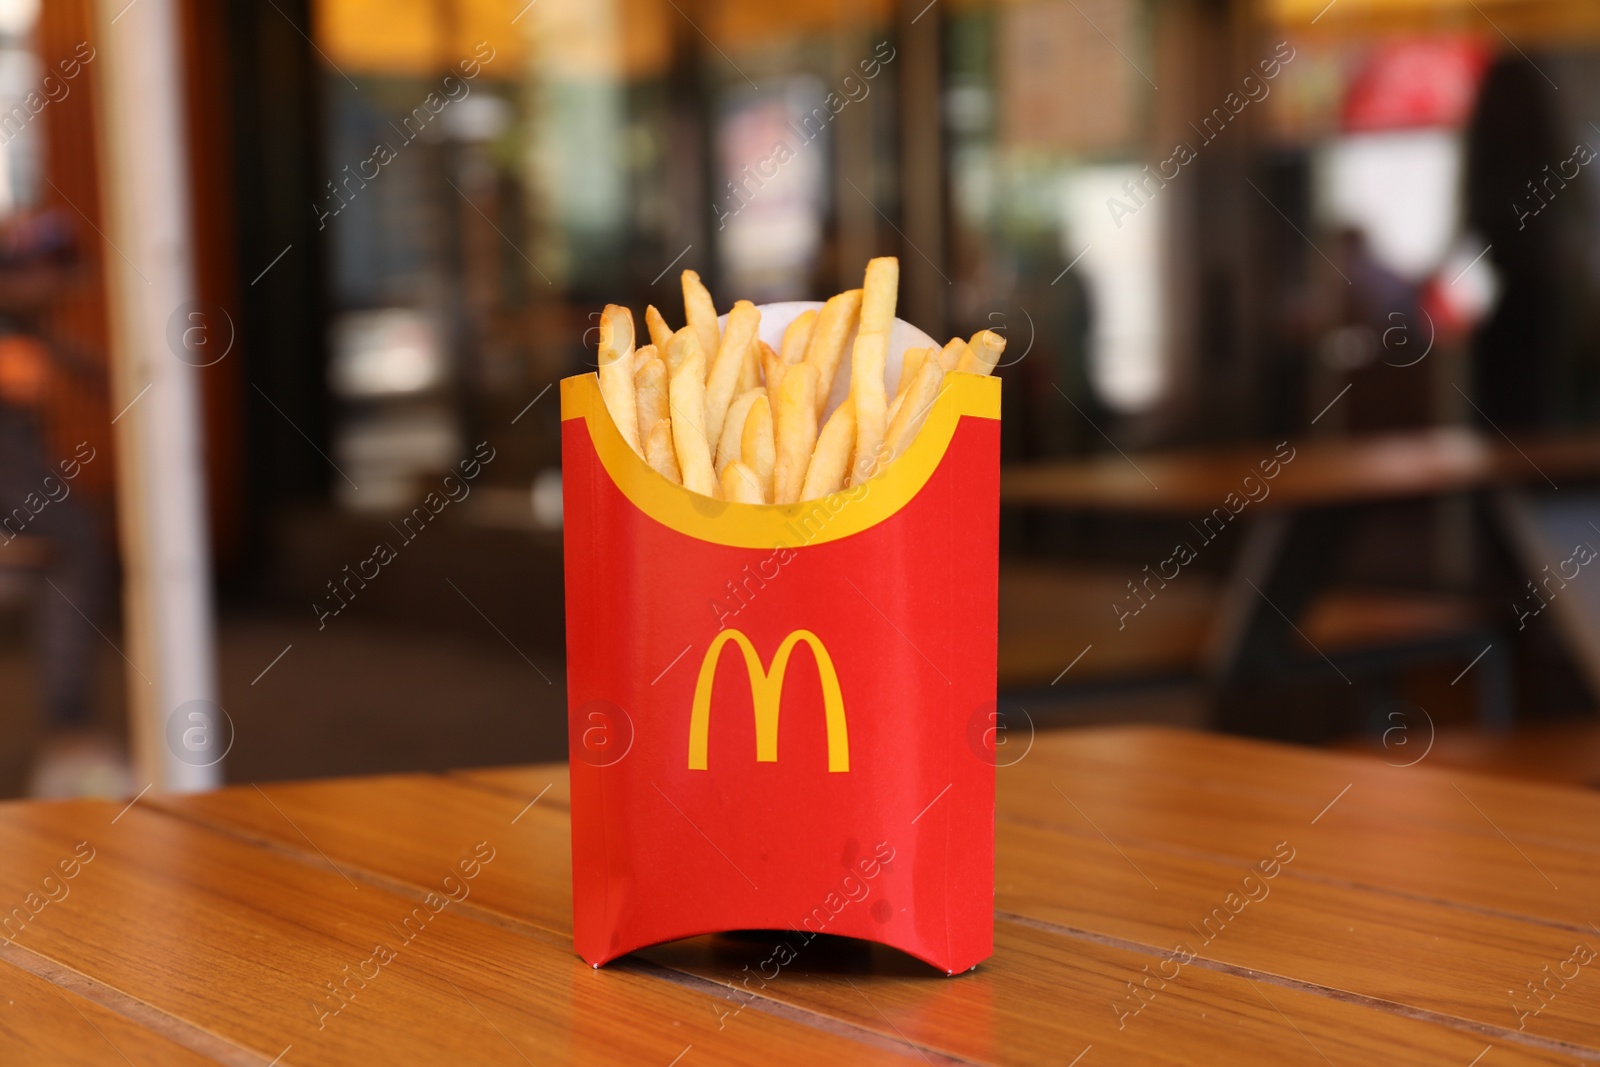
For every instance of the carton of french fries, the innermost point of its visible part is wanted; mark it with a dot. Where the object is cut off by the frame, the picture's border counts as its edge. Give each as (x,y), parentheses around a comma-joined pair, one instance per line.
(781,578)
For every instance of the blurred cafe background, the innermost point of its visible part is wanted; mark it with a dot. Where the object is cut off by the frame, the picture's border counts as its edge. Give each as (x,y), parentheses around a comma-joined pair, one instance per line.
(1301,393)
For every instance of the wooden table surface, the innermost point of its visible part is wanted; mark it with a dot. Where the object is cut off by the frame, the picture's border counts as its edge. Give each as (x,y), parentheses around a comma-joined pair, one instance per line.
(1404,906)
(1322,473)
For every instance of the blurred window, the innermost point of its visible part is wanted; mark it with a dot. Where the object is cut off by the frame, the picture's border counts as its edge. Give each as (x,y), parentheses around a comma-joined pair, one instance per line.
(772,153)
(1393,171)
(1401,188)
(23,95)
(498,169)
(1120,255)
(1047,104)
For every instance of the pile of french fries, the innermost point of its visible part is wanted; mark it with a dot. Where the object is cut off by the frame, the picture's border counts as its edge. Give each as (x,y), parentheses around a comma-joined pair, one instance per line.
(718,411)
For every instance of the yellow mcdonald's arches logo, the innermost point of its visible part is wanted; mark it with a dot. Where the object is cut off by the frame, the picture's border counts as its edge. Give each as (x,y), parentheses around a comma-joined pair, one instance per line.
(766,693)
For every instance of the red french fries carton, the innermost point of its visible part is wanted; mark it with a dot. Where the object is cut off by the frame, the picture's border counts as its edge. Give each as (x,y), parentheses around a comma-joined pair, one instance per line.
(781,716)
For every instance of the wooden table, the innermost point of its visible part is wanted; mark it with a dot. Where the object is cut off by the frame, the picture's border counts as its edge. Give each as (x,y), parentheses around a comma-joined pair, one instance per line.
(1403,905)
(1332,472)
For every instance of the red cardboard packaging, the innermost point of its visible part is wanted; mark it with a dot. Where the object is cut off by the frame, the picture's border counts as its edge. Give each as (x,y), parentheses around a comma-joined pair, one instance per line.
(781,716)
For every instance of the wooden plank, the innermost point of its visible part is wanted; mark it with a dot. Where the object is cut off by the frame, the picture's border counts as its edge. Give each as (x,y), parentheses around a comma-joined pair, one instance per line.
(1410,954)
(1473,867)
(1550,752)
(403,828)
(516,780)
(1166,787)
(41,1023)
(226,936)
(1047,997)
(1075,884)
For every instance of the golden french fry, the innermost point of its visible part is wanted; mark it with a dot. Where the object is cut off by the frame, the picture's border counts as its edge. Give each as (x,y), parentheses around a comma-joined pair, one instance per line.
(910,363)
(764,355)
(660,332)
(915,404)
(658,451)
(772,368)
(686,392)
(796,432)
(740,484)
(758,448)
(867,359)
(951,353)
(723,377)
(650,387)
(702,315)
(678,349)
(616,372)
(833,327)
(642,355)
(750,369)
(797,336)
(831,458)
(982,353)
(728,445)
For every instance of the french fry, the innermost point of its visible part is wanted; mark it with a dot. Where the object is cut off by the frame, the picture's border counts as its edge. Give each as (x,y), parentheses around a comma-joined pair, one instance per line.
(951,353)
(702,315)
(650,387)
(797,336)
(658,451)
(723,377)
(660,332)
(642,355)
(833,326)
(686,391)
(740,484)
(831,459)
(728,445)
(982,353)
(867,359)
(750,369)
(910,363)
(723,413)
(914,406)
(758,447)
(616,372)
(772,368)
(679,348)
(796,432)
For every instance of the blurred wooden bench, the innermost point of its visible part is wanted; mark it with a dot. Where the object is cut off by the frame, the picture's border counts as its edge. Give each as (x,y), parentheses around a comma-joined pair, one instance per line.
(1050,614)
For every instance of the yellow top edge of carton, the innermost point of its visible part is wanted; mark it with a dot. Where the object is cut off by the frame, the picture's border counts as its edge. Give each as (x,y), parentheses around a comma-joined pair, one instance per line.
(809,522)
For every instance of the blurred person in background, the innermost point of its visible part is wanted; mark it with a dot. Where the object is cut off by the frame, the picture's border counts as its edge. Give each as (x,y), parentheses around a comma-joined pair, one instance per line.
(49,531)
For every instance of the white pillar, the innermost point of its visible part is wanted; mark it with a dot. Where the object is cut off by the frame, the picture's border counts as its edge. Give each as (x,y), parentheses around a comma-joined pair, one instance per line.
(161,500)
